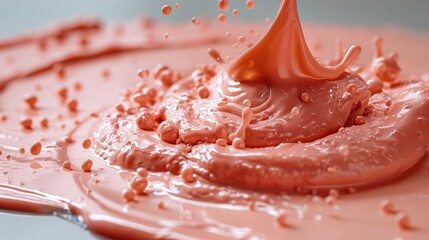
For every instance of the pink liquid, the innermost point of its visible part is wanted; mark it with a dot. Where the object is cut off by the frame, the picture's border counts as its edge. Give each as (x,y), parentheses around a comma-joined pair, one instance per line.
(226,145)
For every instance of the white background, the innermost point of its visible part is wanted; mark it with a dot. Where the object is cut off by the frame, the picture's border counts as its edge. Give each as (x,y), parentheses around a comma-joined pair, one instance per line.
(19,15)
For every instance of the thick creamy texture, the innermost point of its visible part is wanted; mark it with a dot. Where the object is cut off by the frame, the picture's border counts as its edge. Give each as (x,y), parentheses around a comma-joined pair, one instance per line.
(301,128)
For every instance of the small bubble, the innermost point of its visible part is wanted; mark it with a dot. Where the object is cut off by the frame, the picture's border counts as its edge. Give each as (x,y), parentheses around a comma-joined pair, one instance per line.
(31,101)
(222,18)
(128,195)
(87,165)
(187,175)
(331,200)
(250,4)
(139,184)
(143,73)
(305,97)
(86,143)
(166,10)
(67,165)
(387,206)
(281,220)
(223,5)
(36,148)
(241,39)
(72,105)
(26,123)
(195,21)
(403,221)
(203,92)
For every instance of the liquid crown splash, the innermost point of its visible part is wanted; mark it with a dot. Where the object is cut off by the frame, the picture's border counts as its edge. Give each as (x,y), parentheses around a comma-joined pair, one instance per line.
(283,54)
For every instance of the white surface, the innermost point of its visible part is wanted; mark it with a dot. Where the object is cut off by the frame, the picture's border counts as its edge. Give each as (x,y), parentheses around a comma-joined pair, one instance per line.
(17,227)
(20,15)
